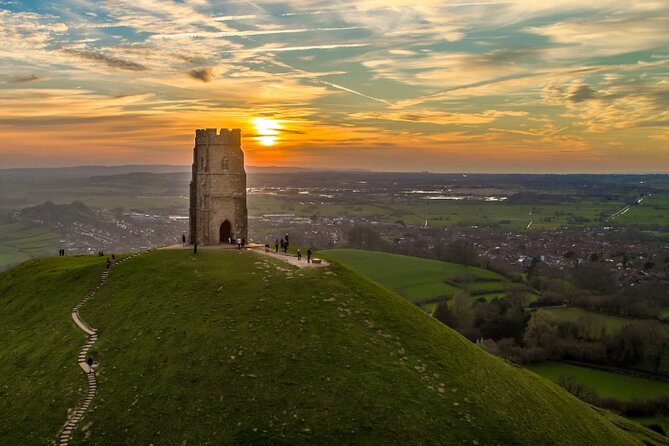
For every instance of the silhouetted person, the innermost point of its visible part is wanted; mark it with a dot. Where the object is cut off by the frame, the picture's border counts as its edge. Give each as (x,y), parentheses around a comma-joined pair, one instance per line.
(243,242)
(89,362)
(276,245)
(309,255)
(299,254)
(108,263)
(183,239)
(195,248)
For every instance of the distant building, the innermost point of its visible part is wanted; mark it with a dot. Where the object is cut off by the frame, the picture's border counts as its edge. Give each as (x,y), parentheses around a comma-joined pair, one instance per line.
(218,188)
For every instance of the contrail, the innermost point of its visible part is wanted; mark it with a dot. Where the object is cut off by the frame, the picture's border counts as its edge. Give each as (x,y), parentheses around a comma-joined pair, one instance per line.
(248,33)
(352,91)
(316,78)
(299,48)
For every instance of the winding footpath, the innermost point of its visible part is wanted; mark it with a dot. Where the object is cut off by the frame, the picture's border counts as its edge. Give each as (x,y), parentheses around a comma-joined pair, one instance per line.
(66,431)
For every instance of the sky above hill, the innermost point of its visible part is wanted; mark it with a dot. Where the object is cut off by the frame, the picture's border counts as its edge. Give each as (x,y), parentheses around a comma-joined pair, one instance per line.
(489,86)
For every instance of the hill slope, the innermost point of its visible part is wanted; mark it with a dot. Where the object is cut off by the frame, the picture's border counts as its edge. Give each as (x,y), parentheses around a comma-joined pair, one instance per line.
(234,347)
(424,280)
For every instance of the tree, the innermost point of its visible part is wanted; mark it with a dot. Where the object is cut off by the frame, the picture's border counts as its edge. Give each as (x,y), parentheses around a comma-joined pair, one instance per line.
(460,251)
(541,332)
(443,313)
(364,237)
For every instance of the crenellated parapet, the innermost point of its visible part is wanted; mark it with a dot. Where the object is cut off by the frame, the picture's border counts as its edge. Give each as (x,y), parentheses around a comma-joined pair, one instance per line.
(213,136)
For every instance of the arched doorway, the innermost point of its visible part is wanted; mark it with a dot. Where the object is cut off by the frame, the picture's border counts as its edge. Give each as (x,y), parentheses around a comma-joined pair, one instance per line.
(225,232)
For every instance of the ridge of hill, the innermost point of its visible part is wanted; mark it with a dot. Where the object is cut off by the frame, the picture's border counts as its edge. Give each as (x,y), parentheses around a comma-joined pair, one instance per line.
(230,347)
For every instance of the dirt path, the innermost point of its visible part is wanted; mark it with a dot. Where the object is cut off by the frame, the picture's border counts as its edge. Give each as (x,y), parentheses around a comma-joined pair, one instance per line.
(257,248)
(290,258)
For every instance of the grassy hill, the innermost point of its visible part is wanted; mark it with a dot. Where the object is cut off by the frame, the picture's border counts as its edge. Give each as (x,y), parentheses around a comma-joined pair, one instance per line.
(233,347)
(425,281)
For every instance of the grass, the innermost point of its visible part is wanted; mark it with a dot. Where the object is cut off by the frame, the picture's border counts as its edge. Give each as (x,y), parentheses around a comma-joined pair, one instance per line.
(234,348)
(20,242)
(664,314)
(443,213)
(417,279)
(599,322)
(605,384)
(39,378)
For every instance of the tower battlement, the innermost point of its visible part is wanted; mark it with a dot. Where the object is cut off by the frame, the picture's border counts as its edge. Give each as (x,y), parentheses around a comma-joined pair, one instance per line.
(213,136)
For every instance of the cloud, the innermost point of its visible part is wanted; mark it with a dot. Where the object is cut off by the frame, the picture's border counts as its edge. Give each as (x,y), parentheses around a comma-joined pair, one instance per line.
(580,93)
(29,78)
(437,117)
(110,61)
(205,74)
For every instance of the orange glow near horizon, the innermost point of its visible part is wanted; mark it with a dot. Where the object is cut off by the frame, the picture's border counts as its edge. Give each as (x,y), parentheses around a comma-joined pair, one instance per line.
(267,130)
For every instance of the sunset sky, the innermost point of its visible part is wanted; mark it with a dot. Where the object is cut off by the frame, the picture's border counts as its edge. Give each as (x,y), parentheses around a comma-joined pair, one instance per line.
(444,86)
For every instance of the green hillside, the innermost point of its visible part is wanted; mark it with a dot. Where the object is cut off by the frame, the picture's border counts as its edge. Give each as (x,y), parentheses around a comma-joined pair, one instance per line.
(424,281)
(232,347)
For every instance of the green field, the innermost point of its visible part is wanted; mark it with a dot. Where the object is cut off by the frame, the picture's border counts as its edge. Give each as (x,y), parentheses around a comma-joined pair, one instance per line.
(599,322)
(443,213)
(653,210)
(20,242)
(605,384)
(419,279)
(231,347)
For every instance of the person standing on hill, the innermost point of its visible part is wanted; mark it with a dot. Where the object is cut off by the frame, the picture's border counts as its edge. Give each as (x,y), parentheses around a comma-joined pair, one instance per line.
(108,263)
(183,239)
(309,255)
(276,245)
(299,254)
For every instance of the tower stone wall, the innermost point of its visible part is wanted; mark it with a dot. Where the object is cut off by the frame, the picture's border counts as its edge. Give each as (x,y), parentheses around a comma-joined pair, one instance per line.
(218,188)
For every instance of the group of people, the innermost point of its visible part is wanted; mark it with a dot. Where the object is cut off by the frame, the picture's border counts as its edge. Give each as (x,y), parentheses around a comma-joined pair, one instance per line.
(61,253)
(111,262)
(284,243)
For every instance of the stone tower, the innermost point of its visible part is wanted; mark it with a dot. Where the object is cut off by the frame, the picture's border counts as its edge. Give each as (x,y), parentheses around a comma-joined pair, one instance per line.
(218,188)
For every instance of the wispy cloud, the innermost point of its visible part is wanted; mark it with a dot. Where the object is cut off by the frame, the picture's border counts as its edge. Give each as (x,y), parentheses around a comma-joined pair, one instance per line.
(110,61)
(28,78)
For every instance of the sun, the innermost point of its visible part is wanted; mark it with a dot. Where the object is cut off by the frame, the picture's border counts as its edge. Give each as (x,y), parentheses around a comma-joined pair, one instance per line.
(267,131)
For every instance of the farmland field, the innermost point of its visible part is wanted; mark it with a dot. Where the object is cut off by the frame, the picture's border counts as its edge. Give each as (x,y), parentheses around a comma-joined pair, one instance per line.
(598,320)
(418,279)
(19,242)
(605,384)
